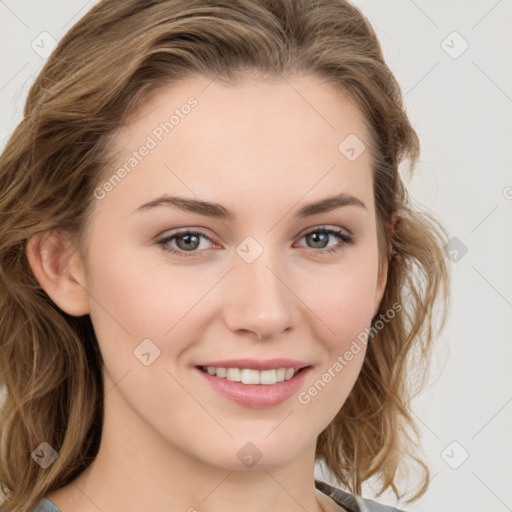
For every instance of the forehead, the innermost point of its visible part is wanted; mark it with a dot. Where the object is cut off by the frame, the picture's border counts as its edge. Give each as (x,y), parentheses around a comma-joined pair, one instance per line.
(294,137)
(307,106)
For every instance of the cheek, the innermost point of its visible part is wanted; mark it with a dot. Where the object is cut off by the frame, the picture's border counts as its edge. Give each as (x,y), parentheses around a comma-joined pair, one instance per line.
(345,309)
(345,300)
(135,299)
(134,303)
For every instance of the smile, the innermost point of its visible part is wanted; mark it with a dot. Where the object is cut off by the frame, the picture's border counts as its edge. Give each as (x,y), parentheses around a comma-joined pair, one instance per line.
(249,376)
(252,388)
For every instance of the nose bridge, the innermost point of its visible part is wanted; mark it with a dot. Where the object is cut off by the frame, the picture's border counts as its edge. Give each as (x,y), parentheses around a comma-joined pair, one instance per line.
(260,300)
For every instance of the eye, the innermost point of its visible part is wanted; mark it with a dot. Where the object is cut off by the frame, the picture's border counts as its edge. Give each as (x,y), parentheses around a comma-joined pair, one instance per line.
(188,242)
(319,236)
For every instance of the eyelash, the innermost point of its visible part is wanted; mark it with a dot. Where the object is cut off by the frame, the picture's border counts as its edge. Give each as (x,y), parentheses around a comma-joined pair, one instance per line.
(343,237)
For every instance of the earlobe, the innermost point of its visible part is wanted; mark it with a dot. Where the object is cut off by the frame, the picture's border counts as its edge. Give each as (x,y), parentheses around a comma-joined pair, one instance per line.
(58,268)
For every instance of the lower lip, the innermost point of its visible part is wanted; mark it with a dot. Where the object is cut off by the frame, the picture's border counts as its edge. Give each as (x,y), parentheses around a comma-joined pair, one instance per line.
(256,396)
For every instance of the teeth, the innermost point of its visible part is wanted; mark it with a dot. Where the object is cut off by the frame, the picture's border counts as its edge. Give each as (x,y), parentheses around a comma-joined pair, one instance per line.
(250,376)
(268,377)
(247,376)
(289,373)
(233,374)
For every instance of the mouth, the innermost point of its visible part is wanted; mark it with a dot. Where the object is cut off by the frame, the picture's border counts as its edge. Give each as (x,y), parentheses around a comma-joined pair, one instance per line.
(252,388)
(251,376)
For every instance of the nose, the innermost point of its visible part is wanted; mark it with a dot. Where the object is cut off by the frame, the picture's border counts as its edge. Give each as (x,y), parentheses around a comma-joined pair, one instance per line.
(260,298)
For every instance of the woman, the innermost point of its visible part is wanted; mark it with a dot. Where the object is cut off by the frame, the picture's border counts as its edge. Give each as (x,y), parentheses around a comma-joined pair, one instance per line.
(212,275)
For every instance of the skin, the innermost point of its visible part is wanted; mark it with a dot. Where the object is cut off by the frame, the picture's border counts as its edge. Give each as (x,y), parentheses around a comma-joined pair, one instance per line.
(262,149)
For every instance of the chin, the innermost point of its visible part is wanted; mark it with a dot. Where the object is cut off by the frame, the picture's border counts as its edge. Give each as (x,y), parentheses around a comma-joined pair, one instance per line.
(242,454)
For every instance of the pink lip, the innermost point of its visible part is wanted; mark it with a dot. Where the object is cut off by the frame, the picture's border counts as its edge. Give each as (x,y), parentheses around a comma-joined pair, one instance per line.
(256,396)
(254,364)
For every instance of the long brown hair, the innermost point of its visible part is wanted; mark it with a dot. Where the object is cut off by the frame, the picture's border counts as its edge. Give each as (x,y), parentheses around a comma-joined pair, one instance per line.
(102,69)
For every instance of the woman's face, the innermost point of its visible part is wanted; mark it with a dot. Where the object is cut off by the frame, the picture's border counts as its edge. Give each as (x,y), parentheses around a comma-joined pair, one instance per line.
(255,279)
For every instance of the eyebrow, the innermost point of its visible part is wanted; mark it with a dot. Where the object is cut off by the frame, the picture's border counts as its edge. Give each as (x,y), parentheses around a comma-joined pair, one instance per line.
(216,210)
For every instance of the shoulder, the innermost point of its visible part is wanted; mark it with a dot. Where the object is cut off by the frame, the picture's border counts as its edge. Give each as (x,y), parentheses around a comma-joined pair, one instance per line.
(351,502)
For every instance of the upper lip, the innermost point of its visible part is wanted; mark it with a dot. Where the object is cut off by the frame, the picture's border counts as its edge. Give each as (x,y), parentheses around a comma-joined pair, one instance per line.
(255,364)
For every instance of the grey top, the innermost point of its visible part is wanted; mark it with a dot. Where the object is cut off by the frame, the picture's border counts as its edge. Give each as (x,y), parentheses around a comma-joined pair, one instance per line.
(351,502)
(46,506)
(348,501)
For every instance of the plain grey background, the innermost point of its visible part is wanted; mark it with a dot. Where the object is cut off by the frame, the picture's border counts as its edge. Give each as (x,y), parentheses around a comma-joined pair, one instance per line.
(452,59)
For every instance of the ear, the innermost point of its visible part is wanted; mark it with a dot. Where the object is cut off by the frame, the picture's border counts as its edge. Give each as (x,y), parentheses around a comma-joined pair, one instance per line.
(382,279)
(57,266)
